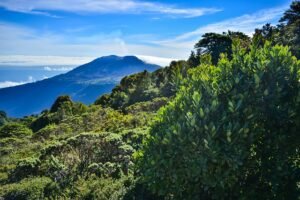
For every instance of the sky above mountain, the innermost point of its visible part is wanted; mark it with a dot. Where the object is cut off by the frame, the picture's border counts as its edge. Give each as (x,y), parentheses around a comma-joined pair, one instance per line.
(71,32)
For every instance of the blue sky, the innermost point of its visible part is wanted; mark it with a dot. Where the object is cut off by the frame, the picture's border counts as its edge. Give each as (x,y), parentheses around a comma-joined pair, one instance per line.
(39,32)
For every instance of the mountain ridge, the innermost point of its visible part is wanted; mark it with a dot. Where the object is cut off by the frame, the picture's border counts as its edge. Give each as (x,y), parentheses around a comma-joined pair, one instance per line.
(84,83)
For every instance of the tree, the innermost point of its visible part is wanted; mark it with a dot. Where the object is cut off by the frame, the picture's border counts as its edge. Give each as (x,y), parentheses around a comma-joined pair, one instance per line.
(232,132)
(290,28)
(242,38)
(103,100)
(3,118)
(59,102)
(266,33)
(193,60)
(215,44)
(292,15)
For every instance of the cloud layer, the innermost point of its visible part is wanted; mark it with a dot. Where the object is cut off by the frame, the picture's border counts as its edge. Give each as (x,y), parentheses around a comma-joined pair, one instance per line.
(28,60)
(102,6)
(5,84)
(55,63)
(58,69)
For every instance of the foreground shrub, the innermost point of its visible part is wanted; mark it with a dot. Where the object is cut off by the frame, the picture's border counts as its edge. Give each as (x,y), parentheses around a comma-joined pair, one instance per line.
(231,133)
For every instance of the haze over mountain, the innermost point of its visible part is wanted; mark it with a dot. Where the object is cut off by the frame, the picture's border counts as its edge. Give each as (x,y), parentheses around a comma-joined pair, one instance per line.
(84,83)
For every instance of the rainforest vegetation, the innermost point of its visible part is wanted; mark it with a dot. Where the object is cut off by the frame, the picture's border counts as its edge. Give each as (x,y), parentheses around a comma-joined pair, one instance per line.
(224,124)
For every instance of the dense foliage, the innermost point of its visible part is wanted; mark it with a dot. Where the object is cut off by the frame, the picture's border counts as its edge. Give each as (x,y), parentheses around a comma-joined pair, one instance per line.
(14,130)
(145,86)
(74,151)
(222,125)
(237,126)
(290,28)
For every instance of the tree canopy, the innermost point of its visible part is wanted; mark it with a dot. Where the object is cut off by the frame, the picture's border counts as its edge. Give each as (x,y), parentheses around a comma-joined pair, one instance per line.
(290,28)
(215,44)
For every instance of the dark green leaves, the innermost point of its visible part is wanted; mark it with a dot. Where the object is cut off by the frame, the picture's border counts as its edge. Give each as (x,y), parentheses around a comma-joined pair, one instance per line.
(230,131)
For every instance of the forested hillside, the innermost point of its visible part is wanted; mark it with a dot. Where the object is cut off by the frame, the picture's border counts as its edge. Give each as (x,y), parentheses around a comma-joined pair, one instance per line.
(224,124)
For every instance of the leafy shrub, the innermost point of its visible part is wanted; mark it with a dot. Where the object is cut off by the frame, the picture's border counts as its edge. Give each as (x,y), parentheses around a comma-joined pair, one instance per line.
(57,171)
(25,168)
(9,144)
(14,130)
(53,130)
(103,100)
(135,137)
(101,188)
(104,154)
(62,109)
(232,131)
(46,131)
(60,102)
(3,177)
(31,189)
(148,106)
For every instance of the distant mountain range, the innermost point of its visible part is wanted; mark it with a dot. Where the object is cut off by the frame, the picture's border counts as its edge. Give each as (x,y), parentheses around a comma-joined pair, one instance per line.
(84,83)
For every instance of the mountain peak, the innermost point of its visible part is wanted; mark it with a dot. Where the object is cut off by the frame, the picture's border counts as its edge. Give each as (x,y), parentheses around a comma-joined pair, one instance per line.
(133,59)
(112,65)
(119,58)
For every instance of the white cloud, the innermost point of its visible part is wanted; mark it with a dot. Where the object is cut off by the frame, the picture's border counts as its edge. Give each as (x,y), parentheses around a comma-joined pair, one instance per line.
(57,61)
(156,60)
(103,6)
(27,60)
(58,69)
(246,23)
(5,84)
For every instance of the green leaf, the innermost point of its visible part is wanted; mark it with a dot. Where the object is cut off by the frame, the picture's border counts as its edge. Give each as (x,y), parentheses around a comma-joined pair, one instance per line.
(256,80)
(201,113)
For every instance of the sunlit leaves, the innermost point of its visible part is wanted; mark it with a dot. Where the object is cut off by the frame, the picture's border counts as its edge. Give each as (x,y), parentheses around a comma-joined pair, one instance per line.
(229,125)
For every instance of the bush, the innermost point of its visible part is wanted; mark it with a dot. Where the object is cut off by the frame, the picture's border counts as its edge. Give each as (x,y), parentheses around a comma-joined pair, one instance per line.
(62,109)
(148,106)
(47,131)
(14,130)
(104,154)
(26,189)
(60,102)
(100,188)
(52,131)
(231,133)
(135,137)
(25,168)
